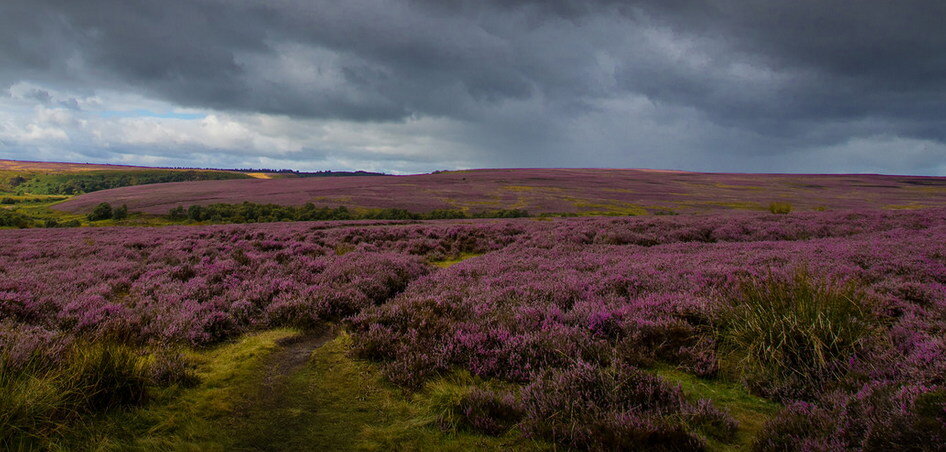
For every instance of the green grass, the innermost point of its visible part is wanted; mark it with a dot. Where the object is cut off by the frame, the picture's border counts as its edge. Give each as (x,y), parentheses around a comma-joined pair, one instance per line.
(332,403)
(451,261)
(37,208)
(178,418)
(344,404)
(749,410)
(41,398)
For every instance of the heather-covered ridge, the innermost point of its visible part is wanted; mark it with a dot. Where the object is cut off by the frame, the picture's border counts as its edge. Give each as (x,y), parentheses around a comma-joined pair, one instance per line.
(576,191)
(577,331)
(61,167)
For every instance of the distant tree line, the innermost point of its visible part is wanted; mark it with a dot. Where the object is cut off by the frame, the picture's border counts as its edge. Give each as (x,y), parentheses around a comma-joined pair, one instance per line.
(295,173)
(248,212)
(85,182)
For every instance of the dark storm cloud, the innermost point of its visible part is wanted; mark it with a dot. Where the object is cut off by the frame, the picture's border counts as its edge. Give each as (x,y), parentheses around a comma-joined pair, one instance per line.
(751,77)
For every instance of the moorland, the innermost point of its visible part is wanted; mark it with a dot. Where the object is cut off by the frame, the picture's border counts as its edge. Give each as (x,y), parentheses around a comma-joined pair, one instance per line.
(541,309)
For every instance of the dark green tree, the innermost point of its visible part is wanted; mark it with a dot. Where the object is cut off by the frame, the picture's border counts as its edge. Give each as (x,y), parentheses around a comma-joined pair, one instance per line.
(120,213)
(102,211)
(177,213)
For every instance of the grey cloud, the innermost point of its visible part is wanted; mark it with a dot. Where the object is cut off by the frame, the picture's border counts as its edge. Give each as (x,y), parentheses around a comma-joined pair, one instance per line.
(521,78)
(70,103)
(39,95)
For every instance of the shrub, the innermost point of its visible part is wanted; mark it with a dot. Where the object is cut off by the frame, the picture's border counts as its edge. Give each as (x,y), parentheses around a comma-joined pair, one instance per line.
(102,211)
(612,408)
(780,207)
(490,412)
(170,369)
(466,406)
(880,416)
(799,426)
(787,336)
(9,218)
(177,213)
(120,213)
(711,421)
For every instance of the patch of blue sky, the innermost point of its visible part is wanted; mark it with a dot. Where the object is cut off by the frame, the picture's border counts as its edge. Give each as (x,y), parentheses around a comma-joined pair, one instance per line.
(141,113)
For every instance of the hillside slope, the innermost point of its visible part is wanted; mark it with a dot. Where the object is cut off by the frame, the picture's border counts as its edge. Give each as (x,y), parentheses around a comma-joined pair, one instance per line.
(578,191)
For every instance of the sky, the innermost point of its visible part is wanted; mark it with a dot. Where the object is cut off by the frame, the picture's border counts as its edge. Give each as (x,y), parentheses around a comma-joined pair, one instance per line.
(407,86)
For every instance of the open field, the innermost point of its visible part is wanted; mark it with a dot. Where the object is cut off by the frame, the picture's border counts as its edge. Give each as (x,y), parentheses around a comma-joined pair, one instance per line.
(571,191)
(21,166)
(29,190)
(52,178)
(810,330)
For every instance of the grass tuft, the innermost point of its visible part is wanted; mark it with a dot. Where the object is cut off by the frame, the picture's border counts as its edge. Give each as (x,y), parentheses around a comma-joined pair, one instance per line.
(787,336)
(39,399)
(780,208)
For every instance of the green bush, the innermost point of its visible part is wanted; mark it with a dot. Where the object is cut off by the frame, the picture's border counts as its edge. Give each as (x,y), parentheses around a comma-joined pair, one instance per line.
(102,211)
(14,219)
(780,208)
(787,337)
(120,213)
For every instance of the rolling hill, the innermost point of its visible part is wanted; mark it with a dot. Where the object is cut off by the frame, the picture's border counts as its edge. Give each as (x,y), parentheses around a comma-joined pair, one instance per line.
(567,191)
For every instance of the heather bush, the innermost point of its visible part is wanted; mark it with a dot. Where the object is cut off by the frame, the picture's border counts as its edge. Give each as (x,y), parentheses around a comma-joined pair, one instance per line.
(789,336)
(467,404)
(172,368)
(799,426)
(710,420)
(879,416)
(489,411)
(612,293)
(613,408)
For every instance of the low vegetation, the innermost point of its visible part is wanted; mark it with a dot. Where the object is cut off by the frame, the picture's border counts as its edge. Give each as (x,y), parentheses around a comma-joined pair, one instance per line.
(248,212)
(41,395)
(790,336)
(541,191)
(780,208)
(696,332)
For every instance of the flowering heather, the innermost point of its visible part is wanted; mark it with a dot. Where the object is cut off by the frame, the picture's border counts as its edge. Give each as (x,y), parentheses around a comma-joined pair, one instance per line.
(544,191)
(569,315)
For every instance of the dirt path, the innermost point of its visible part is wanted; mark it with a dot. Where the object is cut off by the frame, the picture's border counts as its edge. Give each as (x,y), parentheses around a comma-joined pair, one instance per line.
(274,413)
(293,354)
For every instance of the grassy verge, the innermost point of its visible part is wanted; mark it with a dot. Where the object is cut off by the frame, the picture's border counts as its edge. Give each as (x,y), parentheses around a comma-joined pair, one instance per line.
(332,403)
(179,418)
(337,403)
(750,411)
